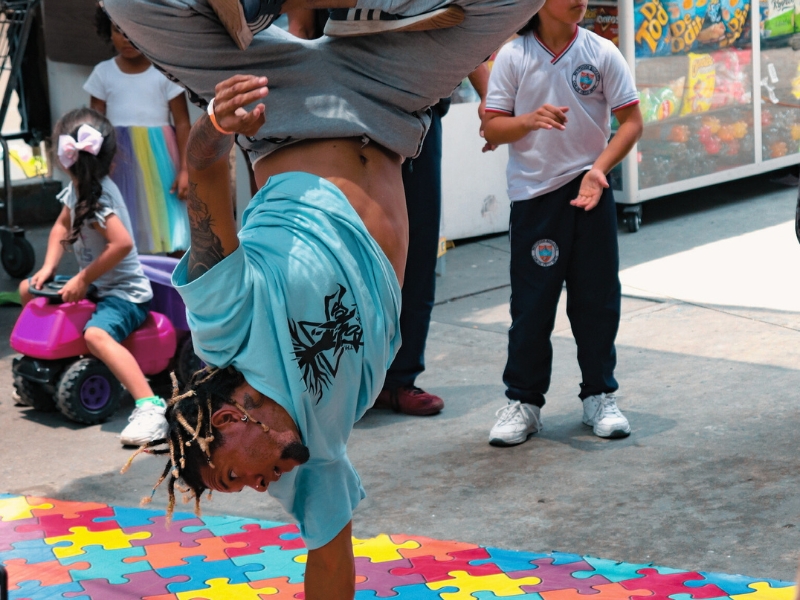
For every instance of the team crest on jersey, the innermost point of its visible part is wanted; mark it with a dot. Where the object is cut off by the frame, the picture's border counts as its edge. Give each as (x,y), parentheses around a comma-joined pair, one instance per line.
(545,253)
(585,79)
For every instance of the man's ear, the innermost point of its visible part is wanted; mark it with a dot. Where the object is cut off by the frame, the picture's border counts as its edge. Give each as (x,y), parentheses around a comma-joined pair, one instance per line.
(226,416)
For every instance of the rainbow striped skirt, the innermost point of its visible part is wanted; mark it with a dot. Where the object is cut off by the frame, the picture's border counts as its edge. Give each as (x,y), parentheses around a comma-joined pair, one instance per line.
(145,169)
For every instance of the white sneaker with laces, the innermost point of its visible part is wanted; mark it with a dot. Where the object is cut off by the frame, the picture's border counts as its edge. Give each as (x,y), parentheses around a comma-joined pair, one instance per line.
(146,423)
(515,424)
(600,412)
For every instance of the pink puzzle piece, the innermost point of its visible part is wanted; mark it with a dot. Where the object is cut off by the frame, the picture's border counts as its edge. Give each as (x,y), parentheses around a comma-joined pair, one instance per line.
(559,577)
(255,537)
(147,584)
(663,586)
(57,525)
(9,532)
(380,577)
(159,534)
(433,569)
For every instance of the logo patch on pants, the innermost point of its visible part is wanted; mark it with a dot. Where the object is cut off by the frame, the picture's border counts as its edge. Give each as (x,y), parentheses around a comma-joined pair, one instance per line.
(545,253)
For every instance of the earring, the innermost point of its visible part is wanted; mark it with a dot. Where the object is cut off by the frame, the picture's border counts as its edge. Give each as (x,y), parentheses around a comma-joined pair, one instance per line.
(244,418)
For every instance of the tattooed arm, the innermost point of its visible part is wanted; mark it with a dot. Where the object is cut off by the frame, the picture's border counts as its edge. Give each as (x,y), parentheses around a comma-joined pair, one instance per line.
(213,227)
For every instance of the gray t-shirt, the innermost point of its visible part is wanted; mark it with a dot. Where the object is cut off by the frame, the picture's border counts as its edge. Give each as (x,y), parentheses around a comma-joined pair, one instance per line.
(126,280)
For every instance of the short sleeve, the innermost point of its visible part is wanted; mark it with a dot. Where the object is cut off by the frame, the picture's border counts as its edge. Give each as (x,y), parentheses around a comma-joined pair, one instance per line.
(618,86)
(96,85)
(171,89)
(503,80)
(102,213)
(322,498)
(219,306)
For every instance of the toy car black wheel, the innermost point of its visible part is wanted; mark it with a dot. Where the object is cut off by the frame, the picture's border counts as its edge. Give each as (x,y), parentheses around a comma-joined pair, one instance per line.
(34,395)
(18,257)
(187,362)
(88,392)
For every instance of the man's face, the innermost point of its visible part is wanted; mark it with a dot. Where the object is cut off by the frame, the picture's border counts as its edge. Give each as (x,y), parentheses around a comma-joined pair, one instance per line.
(248,456)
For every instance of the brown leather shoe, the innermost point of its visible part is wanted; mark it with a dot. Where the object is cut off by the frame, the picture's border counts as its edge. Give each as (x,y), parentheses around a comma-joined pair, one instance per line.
(410,401)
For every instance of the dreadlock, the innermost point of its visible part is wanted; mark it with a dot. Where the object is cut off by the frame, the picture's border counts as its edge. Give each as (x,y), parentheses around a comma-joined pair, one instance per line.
(192,439)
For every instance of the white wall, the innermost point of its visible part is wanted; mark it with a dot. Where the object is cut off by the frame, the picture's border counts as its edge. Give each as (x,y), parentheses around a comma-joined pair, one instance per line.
(474,198)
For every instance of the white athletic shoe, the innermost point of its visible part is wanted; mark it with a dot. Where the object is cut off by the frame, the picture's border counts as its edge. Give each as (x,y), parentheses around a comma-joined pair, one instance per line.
(347,22)
(515,424)
(600,412)
(146,423)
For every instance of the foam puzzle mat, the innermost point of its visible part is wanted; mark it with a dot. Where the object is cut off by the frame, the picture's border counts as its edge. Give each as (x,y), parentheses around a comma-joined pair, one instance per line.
(57,549)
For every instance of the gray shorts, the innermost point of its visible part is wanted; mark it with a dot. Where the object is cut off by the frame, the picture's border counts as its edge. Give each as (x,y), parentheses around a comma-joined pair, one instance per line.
(379,86)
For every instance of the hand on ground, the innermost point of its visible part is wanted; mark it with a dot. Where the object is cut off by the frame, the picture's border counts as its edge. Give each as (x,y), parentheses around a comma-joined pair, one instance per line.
(547,116)
(231,97)
(592,186)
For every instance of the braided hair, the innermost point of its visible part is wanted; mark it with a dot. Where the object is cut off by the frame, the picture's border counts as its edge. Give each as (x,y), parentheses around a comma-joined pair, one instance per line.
(192,439)
(88,171)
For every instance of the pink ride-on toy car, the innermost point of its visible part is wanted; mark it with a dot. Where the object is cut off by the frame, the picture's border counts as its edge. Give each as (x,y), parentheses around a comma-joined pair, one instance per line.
(56,370)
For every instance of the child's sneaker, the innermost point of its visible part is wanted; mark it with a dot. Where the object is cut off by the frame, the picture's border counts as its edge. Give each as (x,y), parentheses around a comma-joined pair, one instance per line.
(600,412)
(515,424)
(347,22)
(245,18)
(146,424)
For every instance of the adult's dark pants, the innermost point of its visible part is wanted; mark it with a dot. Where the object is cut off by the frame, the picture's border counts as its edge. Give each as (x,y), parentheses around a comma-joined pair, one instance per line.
(577,247)
(422,178)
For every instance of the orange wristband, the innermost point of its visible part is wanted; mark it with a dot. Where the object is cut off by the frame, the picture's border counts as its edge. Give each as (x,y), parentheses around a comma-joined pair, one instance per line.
(213,118)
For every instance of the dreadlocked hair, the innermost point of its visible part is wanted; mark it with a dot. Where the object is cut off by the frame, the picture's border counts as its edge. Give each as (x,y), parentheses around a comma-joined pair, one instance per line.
(191,438)
(88,171)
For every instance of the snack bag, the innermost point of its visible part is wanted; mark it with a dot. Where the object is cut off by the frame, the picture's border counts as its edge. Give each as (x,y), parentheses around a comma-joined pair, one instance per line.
(731,78)
(734,16)
(700,82)
(797,15)
(777,18)
(685,22)
(603,21)
(713,32)
(658,104)
(651,26)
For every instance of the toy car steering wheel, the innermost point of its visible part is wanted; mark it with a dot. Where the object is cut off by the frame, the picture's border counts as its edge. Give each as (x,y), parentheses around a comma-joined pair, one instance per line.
(52,290)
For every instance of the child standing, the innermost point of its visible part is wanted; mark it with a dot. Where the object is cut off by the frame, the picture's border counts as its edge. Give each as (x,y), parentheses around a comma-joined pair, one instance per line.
(94,223)
(150,166)
(551,95)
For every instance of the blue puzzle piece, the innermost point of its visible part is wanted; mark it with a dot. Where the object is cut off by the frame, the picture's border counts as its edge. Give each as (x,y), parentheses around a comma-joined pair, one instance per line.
(510,560)
(610,569)
(107,564)
(221,525)
(139,517)
(7,496)
(690,597)
(33,591)
(733,585)
(274,563)
(200,571)
(418,591)
(34,551)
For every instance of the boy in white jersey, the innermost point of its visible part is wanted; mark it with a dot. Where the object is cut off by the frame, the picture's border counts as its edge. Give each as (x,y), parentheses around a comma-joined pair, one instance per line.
(551,95)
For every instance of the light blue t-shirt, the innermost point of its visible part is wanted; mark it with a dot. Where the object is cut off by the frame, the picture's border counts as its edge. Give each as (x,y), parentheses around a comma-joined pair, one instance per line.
(307,309)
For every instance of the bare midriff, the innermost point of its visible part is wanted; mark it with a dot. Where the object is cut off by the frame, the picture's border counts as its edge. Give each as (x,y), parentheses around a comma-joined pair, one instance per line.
(368,175)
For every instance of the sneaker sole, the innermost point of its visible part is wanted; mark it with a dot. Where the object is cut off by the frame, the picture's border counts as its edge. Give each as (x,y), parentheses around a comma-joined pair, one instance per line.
(504,443)
(231,15)
(442,18)
(614,434)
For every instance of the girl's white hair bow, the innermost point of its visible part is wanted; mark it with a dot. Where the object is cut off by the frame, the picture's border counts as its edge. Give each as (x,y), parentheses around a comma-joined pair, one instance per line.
(89,140)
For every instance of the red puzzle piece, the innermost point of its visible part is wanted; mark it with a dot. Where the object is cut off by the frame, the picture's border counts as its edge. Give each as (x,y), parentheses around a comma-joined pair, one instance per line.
(433,569)
(57,525)
(663,586)
(255,537)
(46,573)
(69,510)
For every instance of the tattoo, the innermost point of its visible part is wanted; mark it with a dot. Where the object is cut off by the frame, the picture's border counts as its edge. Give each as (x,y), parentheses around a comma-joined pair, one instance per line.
(206,145)
(206,249)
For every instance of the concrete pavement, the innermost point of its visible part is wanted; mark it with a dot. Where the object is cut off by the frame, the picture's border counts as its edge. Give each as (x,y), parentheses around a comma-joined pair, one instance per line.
(709,367)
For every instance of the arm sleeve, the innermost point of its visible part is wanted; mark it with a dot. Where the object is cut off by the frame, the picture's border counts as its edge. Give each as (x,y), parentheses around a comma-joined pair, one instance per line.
(326,493)
(503,81)
(219,306)
(96,84)
(171,89)
(618,86)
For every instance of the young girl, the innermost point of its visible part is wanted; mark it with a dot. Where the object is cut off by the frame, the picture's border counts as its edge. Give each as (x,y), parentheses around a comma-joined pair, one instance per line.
(94,223)
(551,94)
(150,167)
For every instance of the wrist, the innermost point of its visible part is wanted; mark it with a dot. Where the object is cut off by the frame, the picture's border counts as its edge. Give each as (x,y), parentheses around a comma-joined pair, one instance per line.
(213,118)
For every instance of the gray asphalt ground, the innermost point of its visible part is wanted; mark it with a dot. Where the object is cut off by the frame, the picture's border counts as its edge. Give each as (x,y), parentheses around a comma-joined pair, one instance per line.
(708,480)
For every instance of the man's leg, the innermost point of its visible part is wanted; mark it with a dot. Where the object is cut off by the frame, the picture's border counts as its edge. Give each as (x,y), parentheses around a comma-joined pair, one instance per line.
(422,178)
